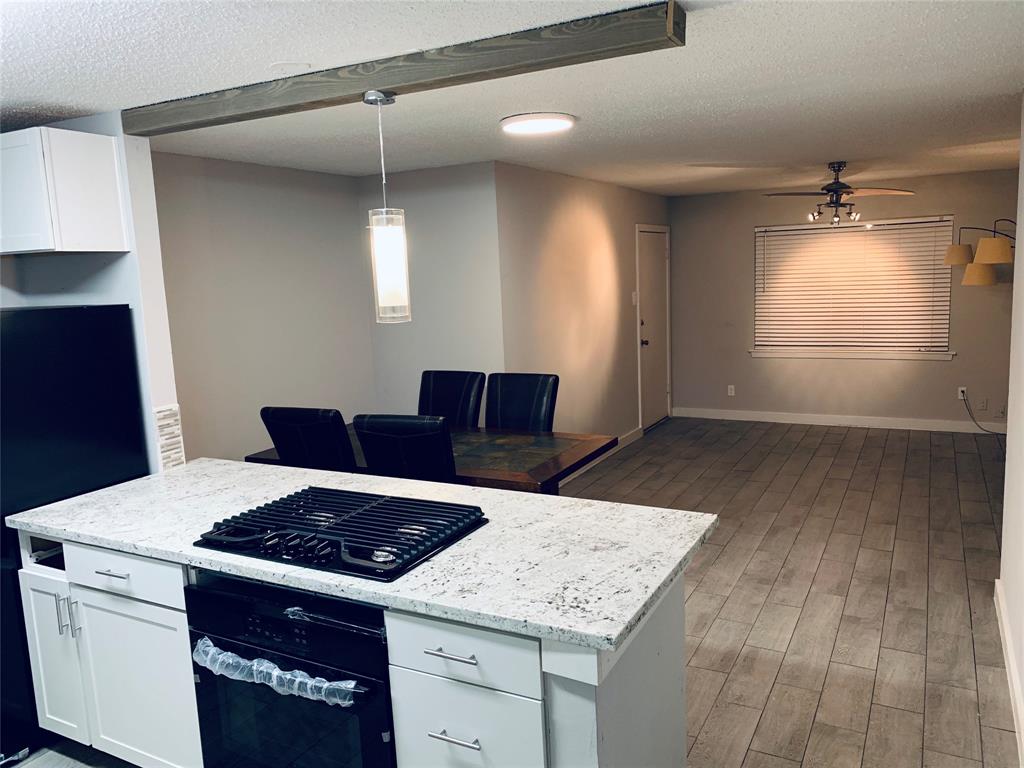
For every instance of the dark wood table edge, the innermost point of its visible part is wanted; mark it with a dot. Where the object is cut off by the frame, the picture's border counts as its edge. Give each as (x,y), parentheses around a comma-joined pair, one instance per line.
(544,478)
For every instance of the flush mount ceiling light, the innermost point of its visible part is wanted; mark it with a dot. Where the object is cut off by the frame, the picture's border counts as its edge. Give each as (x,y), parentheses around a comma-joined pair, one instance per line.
(836,193)
(389,255)
(537,123)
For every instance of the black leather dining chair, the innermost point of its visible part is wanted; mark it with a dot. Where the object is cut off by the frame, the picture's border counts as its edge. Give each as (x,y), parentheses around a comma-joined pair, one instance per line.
(456,395)
(312,438)
(416,447)
(521,401)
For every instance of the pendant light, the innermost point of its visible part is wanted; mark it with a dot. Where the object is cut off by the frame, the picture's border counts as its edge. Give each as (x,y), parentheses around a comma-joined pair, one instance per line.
(389,255)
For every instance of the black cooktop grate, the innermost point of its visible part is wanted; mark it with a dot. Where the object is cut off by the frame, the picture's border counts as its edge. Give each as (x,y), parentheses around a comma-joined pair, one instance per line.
(379,537)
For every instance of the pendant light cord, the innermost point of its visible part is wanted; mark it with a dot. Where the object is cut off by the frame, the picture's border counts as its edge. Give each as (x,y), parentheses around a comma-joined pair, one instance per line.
(383,174)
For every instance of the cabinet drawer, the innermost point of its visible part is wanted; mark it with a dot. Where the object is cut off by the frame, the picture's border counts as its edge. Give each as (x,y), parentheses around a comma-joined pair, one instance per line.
(504,662)
(155,581)
(441,722)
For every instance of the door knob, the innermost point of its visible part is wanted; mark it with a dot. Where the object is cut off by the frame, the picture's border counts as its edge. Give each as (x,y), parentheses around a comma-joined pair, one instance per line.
(645,343)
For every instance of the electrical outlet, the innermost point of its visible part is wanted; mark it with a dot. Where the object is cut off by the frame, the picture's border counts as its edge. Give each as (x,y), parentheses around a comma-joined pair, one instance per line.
(731,390)
(983,404)
(961,393)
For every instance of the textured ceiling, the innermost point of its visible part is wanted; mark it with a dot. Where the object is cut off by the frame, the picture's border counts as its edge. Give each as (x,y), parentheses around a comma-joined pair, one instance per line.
(762,95)
(63,58)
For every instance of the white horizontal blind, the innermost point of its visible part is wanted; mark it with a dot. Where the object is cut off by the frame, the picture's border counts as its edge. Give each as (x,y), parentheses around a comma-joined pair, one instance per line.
(851,287)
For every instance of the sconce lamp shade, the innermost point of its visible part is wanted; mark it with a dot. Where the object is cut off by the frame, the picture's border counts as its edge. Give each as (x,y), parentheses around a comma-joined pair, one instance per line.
(994,250)
(958,255)
(389,257)
(979,274)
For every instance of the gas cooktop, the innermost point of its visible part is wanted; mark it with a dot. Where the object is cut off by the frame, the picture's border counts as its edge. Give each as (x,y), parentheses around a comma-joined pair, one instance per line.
(362,534)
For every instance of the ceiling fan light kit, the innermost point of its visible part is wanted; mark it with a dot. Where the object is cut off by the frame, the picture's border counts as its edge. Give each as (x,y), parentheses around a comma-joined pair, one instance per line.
(836,193)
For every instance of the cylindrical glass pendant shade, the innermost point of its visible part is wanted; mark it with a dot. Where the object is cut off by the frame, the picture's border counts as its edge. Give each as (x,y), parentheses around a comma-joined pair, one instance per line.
(390,260)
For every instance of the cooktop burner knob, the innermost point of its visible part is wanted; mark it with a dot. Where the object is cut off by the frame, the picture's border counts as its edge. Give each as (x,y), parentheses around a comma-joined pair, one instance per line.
(271,544)
(292,545)
(323,553)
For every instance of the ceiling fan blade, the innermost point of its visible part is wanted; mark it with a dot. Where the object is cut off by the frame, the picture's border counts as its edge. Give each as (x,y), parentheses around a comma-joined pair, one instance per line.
(868,191)
(794,194)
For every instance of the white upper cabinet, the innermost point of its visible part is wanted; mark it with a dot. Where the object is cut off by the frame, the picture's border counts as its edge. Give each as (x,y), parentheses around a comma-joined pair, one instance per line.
(61,191)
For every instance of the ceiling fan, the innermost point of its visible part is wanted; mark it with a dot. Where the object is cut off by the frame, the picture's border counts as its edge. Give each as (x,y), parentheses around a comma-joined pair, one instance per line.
(836,193)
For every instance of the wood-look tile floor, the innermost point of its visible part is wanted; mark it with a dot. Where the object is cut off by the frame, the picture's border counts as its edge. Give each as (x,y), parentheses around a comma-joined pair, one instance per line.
(842,613)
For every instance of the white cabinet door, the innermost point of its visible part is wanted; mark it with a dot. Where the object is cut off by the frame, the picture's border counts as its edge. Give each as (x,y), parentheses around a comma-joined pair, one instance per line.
(53,656)
(137,668)
(25,222)
(61,191)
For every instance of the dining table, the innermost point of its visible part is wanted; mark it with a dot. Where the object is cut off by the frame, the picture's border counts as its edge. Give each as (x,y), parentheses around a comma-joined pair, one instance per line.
(494,458)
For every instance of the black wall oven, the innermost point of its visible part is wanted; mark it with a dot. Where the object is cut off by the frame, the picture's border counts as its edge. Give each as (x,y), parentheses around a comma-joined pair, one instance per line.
(288,678)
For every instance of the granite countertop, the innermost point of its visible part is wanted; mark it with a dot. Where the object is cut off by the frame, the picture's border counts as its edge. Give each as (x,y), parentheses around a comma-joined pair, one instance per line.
(574,570)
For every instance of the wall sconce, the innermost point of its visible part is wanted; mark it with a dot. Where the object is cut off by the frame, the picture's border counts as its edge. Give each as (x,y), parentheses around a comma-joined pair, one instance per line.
(979,269)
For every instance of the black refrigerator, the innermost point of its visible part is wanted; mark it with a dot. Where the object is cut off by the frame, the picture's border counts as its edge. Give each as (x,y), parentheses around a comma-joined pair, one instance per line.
(70,422)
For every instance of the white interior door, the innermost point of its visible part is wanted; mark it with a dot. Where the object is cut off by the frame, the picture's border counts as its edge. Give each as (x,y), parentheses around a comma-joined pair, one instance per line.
(652,264)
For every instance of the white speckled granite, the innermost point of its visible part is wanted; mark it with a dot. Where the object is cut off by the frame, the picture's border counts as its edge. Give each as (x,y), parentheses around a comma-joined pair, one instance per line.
(579,571)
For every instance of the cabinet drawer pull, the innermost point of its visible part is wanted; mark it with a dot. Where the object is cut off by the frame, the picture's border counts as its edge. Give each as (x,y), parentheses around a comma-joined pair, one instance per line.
(113,574)
(440,653)
(61,626)
(443,736)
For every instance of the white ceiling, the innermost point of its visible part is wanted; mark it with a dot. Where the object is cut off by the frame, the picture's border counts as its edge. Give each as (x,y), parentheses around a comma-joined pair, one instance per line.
(762,95)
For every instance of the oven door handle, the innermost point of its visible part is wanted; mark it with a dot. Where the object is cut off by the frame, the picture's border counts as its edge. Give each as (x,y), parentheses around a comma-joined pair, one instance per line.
(265,672)
(301,614)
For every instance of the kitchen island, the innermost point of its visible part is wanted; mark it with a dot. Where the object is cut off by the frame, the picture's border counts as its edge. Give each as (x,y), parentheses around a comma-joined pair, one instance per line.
(589,593)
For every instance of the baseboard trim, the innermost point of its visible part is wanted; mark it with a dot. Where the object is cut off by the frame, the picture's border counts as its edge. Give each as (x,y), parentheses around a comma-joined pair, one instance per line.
(1012,673)
(839,420)
(630,437)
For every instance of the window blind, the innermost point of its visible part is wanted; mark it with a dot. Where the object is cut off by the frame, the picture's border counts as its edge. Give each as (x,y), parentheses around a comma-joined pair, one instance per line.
(853,287)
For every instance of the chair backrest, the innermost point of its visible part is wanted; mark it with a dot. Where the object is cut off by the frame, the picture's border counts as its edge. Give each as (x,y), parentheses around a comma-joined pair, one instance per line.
(416,447)
(314,438)
(456,395)
(521,401)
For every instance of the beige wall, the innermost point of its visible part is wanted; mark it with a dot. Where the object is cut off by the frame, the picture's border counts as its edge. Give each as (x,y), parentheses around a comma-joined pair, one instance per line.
(267,295)
(713,313)
(568,272)
(451,226)
(1010,587)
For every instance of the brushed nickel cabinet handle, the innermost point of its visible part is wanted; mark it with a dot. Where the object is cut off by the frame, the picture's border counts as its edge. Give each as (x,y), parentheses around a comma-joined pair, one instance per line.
(75,631)
(114,574)
(443,736)
(60,619)
(439,652)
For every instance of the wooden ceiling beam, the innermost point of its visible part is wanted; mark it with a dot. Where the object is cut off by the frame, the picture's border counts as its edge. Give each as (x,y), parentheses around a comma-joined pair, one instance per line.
(622,33)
